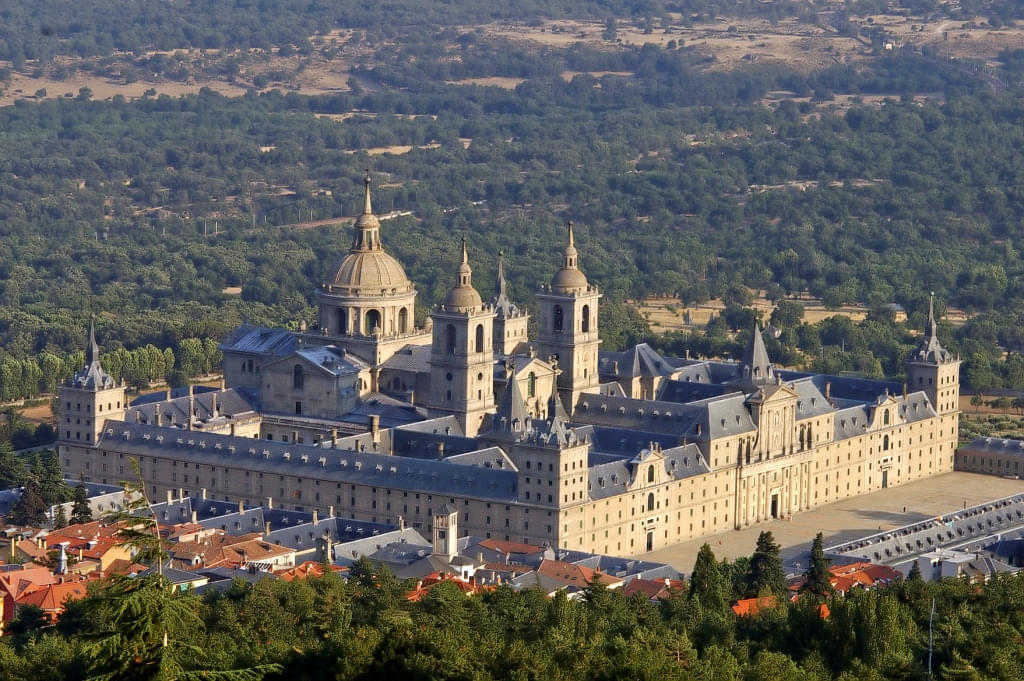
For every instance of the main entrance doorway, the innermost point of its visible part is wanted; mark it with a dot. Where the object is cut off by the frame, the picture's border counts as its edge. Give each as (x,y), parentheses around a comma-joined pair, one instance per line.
(650,541)
(885,479)
(775,505)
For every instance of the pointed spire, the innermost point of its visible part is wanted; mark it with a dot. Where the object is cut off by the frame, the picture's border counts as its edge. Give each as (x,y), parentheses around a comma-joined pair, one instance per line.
(571,253)
(367,206)
(502,305)
(501,274)
(465,254)
(931,327)
(94,348)
(367,237)
(756,369)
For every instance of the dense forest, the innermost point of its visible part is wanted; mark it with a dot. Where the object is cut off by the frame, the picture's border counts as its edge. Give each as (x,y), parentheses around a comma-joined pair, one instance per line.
(364,628)
(170,216)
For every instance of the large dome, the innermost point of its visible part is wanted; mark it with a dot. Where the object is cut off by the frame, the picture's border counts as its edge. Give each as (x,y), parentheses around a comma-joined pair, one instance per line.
(368,269)
(369,272)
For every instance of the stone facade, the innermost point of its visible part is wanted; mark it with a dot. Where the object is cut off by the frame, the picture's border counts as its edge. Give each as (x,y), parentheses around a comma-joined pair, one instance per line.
(554,443)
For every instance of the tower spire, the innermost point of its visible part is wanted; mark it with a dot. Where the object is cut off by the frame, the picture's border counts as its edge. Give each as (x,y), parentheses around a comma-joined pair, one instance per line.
(501,275)
(94,348)
(367,237)
(571,254)
(931,328)
(367,206)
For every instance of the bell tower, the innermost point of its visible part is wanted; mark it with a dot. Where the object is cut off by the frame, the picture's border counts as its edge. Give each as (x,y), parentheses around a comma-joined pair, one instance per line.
(462,354)
(568,326)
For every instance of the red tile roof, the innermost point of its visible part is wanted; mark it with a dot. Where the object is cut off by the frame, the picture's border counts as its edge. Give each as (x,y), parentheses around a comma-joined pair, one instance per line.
(52,597)
(510,546)
(574,575)
(654,589)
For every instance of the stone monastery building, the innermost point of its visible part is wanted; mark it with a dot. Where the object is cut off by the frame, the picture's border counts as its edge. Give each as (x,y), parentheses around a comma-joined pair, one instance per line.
(543,441)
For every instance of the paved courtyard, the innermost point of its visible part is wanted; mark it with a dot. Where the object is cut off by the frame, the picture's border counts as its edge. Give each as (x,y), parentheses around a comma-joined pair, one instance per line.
(849,519)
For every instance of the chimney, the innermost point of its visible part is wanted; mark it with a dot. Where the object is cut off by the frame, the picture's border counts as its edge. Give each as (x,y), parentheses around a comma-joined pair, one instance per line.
(270,502)
(138,417)
(167,393)
(202,494)
(828,390)
(316,516)
(904,390)
(157,417)
(170,496)
(330,511)
(440,450)
(222,385)
(401,522)
(615,367)
(232,430)
(191,392)
(195,517)
(375,426)
(334,437)
(62,559)
(213,406)
(241,506)
(181,494)
(266,527)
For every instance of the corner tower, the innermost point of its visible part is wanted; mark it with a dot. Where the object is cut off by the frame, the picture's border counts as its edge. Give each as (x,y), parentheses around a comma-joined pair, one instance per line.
(568,326)
(88,399)
(933,369)
(462,353)
(367,303)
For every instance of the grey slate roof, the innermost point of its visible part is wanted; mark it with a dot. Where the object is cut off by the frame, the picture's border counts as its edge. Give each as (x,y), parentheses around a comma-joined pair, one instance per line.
(260,341)
(230,402)
(412,358)
(640,360)
(377,470)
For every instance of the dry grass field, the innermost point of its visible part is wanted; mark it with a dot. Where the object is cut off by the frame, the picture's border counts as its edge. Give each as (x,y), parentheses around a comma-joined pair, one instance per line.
(668,314)
(723,43)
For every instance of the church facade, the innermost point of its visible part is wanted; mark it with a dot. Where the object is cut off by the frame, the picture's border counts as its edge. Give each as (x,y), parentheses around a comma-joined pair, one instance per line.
(552,441)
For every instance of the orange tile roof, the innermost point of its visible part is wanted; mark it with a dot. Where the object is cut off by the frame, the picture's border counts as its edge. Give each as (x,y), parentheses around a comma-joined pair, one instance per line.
(52,597)
(752,606)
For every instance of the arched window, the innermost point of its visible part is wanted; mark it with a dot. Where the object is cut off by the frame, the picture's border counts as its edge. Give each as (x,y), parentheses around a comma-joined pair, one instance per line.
(449,339)
(558,320)
(585,319)
(341,316)
(531,385)
(372,321)
(885,443)
(298,378)
(650,502)
(650,474)
(479,337)
(403,320)
(885,417)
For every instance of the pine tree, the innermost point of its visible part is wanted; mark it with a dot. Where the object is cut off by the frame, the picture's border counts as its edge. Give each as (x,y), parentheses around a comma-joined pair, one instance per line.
(818,577)
(915,572)
(51,479)
(31,507)
(706,582)
(766,573)
(81,512)
(12,470)
(60,517)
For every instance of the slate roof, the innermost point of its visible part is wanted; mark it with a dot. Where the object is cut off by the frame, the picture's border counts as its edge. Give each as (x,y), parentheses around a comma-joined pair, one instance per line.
(376,470)
(228,403)
(639,360)
(259,340)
